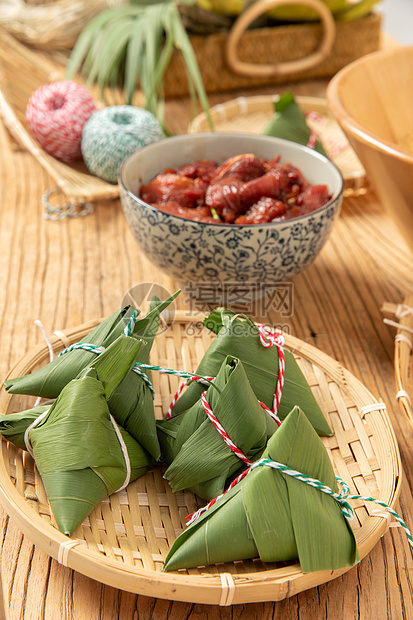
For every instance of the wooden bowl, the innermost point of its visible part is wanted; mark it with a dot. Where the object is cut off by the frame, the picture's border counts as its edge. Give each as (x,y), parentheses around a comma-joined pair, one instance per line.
(372,100)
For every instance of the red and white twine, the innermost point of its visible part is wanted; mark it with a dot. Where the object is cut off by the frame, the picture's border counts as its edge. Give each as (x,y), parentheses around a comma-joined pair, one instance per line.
(195,515)
(181,387)
(56,114)
(221,430)
(269,339)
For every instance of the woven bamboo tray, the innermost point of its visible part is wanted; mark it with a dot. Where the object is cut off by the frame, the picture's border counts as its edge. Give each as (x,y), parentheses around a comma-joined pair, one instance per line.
(125,540)
(251,115)
(401,316)
(34,70)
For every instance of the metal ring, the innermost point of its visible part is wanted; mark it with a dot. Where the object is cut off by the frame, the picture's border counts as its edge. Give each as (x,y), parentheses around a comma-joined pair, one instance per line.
(66,210)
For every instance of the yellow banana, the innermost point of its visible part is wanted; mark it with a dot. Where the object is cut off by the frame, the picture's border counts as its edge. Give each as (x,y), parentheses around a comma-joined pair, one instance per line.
(341,9)
(296,13)
(356,10)
(224,7)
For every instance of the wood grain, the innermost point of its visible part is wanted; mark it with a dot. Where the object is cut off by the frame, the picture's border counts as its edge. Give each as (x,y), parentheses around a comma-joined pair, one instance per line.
(68,272)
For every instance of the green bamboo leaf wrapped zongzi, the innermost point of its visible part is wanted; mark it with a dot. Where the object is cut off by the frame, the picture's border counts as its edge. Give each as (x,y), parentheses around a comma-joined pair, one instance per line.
(81,453)
(201,460)
(132,402)
(271,515)
(14,425)
(289,122)
(239,336)
(49,380)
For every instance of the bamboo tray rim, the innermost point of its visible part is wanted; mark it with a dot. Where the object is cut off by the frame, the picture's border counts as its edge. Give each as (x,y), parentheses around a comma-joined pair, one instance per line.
(222,588)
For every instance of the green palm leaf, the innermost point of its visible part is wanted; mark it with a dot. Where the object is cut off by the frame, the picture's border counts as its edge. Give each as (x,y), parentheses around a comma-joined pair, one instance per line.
(133,43)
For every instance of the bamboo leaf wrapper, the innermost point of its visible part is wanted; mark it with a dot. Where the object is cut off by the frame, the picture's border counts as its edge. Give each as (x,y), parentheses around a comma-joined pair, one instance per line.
(289,122)
(131,404)
(238,336)
(81,455)
(49,380)
(14,425)
(202,461)
(272,516)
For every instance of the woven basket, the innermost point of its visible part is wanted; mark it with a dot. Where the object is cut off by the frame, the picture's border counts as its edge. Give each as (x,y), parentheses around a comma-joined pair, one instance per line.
(401,316)
(278,44)
(124,542)
(50,25)
(251,115)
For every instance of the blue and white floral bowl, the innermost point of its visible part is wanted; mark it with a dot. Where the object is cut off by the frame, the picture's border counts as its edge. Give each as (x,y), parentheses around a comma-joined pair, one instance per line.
(213,254)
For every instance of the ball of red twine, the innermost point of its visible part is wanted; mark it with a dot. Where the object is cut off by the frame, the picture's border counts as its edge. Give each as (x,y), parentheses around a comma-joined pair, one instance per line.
(56,114)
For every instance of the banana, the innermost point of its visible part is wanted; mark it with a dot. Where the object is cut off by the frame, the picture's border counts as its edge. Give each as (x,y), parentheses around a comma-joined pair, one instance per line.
(342,10)
(296,13)
(356,10)
(224,7)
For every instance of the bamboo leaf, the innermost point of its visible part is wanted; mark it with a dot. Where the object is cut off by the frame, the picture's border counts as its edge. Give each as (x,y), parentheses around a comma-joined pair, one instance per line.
(200,453)
(90,48)
(49,380)
(272,515)
(289,122)
(110,53)
(324,538)
(145,29)
(194,546)
(76,446)
(158,75)
(184,45)
(154,35)
(85,40)
(14,425)
(238,336)
(131,404)
(78,453)
(114,363)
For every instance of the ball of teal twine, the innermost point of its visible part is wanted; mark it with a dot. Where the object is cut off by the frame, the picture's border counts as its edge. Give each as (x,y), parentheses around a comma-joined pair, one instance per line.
(112,134)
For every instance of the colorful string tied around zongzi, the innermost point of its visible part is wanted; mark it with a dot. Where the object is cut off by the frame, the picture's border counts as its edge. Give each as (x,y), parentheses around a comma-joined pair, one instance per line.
(139,366)
(180,389)
(341,498)
(98,350)
(130,326)
(269,339)
(221,430)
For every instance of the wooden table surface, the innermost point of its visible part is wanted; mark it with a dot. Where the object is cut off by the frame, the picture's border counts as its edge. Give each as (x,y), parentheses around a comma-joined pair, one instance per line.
(65,273)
